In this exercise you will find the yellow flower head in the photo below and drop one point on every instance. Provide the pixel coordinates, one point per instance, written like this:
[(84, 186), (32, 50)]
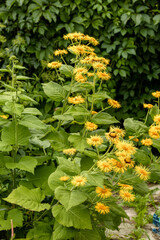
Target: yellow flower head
[(76, 100), (101, 208), (91, 40), (117, 130), (93, 112), (103, 192), (3, 116), (149, 106), (80, 49), (119, 166), (91, 126), (154, 132), (60, 52), (142, 172), (125, 146), (64, 178), (156, 94), (54, 65), (69, 151), (99, 66), (126, 196), (132, 138), (104, 165), (95, 140), (104, 76), (78, 181), (114, 103), (125, 186), (79, 77), (80, 70), (90, 74), (147, 142), (112, 137), (74, 36), (157, 119)]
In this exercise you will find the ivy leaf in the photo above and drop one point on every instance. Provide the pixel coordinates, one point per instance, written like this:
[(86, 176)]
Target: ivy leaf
[(17, 217), (68, 198), (26, 163), (28, 198), (77, 217)]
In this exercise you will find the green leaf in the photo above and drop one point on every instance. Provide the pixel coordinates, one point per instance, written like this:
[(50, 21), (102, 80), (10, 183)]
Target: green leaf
[(9, 136), (67, 70), (65, 117), (19, 67), (68, 166), (156, 144), (28, 198), (13, 108), (77, 217), (116, 209), (23, 78), (32, 122), (78, 141), (15, 215), (68, 198), (154, 111), (27, 98), (121, 71), (95, 179), (5, 147), (138, 19), (103, 118), (142, 157), (54, 179), (26, 163), (61, 232), (41, 231), (9, 3), (134, 127), (33, 111), (77, 111), (141, 188), (87, 235), (54, 91), (155, 172), (156, 19)]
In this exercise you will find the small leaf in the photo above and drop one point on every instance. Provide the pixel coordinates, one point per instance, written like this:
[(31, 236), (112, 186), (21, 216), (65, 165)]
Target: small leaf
[(23, 78), (28, 198)]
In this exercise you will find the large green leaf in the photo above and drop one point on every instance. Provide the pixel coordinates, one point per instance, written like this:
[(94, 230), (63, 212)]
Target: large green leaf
[(69, 198), (26, 163), (95, 179), (78, 141), (5, 147), (77, 111), (117, 210), (41, 231), (54, 179), (134, 127), (15, 215), (67, 70), (142, 157), (61, 232), (68, 166), (103, 118), (87, 235), (32, 111), (28, 198), (54, 91), (77, 217), (9, 135), (13, 108), (31, 121)]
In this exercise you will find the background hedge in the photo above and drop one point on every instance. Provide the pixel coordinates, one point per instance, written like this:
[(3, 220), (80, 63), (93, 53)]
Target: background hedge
[(128, 32)]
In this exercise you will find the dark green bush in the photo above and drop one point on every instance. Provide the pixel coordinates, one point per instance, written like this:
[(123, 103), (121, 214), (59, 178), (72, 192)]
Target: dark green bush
[(128, 32)]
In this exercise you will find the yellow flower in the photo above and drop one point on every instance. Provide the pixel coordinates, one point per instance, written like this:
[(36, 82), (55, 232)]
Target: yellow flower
[(91, 126), (74, 36), (60, 52), (101, 208), (149, 106), (114, 103), (156, 94), (112, 137), (128, 147), (80, 49), (69, 151), (64, 178), (4, 116), (93, 112), (91, 40), (103, 192), (95, 140), (126, 196), (154, 132), (104, 165), (125, 186), (54, 65), (80, 70), (142, 172), (99, 66), (119, 166), (147, 142), (90, 74), (157, 118), (80, 78), (78, 181), (117, 130), (104, 76), (133, 138), (76, 100)]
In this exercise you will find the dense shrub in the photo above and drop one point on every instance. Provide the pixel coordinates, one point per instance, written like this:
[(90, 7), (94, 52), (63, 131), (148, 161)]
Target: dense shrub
[(128, 32)]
